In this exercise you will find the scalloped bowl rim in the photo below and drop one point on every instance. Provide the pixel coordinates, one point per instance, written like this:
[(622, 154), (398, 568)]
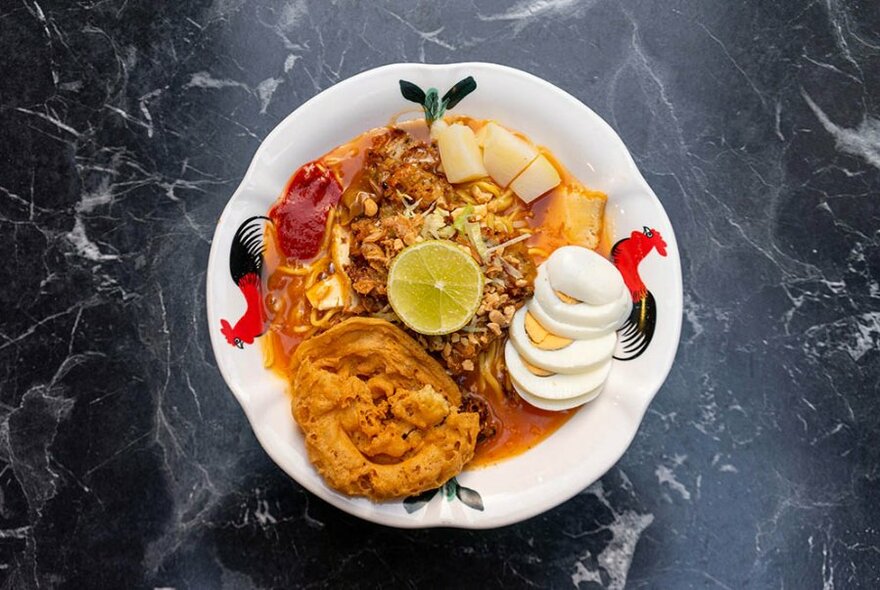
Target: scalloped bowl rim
[(569, 484)]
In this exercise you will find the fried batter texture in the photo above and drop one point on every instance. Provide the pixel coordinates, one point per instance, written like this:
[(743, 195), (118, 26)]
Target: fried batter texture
[(381, 417)]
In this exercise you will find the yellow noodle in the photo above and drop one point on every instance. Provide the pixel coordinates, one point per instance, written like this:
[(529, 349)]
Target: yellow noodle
[(484, 367), (480, 195), (502, 202), (331, 216), (488, 362), (334, 160), (317, 268), (493, 385), (278, 315), (298, 316), (293, 320), (488, 186), (292, 271), (320, 322), (269, 350), (534, 251), (465, 196), (481, 381)]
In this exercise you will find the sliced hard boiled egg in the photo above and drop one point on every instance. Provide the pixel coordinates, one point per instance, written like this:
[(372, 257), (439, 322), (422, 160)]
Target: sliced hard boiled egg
[(505, 155), (577, 357), (578, 320), (541, 337), (557, 386), (584, 275), (561, 328), (566, 299), (460, 154), (540, 176), (536, 370), (556, 405)]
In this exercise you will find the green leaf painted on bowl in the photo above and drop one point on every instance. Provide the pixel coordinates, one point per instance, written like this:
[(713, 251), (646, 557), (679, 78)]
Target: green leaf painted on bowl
[(433, 107), (450, 490), (414, 503), (412, 93), (431, 102), (461, 89), (470, 498)]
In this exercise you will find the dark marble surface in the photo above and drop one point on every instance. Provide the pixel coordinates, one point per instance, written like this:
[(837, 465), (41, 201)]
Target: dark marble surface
[(125, 126)]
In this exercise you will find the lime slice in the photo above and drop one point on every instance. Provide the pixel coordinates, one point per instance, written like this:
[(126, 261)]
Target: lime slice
[(435, 287)]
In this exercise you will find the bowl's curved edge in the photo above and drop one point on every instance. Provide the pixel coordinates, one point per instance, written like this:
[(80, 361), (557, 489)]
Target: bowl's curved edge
[(407, 521)]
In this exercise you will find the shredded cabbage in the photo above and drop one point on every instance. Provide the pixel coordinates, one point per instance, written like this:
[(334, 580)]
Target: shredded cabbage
[(434, 223), (472, 231), (462, 219)]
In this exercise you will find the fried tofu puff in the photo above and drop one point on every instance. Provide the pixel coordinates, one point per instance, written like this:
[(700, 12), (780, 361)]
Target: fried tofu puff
[(380, 416)]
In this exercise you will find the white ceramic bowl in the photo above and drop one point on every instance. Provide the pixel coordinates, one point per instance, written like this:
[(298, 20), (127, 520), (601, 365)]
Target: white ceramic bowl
[(595, 438)]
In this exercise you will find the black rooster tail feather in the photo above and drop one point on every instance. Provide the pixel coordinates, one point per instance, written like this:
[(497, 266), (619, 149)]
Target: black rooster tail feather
[(248, 247), (615, 250), (638, 330)]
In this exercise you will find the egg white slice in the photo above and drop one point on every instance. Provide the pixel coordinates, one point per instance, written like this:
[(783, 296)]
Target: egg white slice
[(595, 319), (559, 328), (555, 405), (577, 357), (584, 274), (556, 386)]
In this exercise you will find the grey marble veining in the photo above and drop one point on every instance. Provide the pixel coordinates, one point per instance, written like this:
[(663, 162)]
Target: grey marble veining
[(126, 125)]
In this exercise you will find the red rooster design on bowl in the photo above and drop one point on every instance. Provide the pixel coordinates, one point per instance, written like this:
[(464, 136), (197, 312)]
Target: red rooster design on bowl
[(246, 269), (638, 330)]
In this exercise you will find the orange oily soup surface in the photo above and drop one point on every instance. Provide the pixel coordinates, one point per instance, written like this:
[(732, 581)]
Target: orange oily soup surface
[(510, 426)]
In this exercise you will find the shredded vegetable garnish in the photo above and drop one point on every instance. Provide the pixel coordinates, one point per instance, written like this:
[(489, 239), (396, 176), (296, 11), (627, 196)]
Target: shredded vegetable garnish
[(473, 233), (434, 223), (409, 205), (462, 218), (511, 270), (510, 242)]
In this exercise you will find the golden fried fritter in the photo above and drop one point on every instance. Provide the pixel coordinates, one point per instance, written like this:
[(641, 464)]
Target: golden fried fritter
[(381, 417)]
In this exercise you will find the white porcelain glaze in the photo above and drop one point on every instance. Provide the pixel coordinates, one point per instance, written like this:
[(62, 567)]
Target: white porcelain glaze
[(595, 438)]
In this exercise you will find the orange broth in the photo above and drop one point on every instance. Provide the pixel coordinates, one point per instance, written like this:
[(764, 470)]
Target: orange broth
[(520, 426)]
